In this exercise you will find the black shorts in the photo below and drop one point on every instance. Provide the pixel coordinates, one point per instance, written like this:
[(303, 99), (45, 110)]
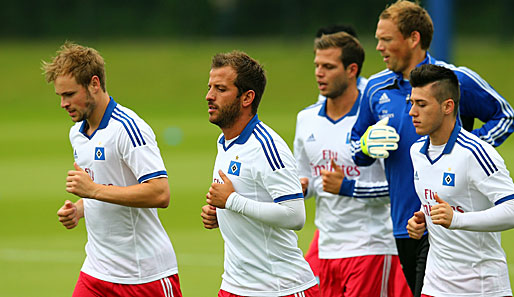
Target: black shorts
[(413, 257)]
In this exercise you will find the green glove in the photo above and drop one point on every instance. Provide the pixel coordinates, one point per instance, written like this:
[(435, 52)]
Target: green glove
[(379, 139)]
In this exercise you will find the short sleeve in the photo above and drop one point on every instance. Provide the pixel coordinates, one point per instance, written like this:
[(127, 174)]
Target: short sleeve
[(490, 175), (282, 182), (139, 151)]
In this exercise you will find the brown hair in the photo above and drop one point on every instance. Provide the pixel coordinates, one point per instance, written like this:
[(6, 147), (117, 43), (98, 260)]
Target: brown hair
[(351, 49), (81, 62), (250, 74)]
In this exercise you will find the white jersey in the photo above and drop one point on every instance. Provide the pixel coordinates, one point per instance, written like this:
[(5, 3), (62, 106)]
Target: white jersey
[(260, 260), (357, 222), (471, 176), (361, 85), (125, 245)]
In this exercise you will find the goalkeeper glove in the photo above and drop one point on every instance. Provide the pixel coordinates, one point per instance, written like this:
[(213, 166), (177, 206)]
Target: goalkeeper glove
[(379, 139)]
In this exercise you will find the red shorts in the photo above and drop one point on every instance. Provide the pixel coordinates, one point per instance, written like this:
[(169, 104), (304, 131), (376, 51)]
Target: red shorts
[(88, 286), (312, 255), (310, 292), (374, 275)]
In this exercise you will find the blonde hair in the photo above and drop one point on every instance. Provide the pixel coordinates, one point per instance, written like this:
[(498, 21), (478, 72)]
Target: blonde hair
[(410, 17), (78, 61)]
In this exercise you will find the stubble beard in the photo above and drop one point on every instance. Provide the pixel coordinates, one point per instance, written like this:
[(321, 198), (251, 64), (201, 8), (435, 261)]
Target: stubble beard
[(90, 106), (341, 88), (228, 115)]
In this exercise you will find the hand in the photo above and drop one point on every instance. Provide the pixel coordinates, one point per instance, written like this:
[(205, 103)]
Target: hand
[(305, 185), (332, 180), (68, 215), (209, 218), (441, 213), (80, 183), (379, 139), (416, 225), (218, 193)]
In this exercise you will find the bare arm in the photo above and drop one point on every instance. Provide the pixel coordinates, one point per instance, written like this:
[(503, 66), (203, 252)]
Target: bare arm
[(150, 194)]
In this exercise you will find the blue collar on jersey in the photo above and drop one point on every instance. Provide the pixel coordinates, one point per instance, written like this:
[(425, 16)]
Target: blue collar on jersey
[(447, 148), (105, 119), (355, 108), (245, 134)]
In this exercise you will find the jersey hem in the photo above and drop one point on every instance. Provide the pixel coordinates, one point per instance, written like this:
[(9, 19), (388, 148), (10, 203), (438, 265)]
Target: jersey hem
[(131, 281), (339, 255), (486, 294), (234, 290)]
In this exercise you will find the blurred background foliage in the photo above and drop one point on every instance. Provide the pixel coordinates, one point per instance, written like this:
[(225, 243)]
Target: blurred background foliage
[(225, 18)]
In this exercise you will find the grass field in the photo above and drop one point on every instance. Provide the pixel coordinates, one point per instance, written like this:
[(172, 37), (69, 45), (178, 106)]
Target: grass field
[(165, 82)]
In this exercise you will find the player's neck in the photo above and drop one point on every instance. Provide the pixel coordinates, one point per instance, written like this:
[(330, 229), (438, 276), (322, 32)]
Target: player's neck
[(237, 128), (442, 134), (418, 55), (341, 105), (96, 116)]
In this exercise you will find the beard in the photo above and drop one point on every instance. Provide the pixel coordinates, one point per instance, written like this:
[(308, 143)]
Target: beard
[(90, 105), (338, 90), (228, 114)]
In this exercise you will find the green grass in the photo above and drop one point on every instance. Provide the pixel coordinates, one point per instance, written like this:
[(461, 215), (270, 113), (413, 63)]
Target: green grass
[(165, 82)]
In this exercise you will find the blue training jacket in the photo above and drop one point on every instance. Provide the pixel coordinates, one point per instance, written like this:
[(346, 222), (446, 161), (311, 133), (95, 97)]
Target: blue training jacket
[(387, 95)]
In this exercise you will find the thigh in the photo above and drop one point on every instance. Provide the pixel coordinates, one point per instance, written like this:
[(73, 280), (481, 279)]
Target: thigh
[(397, 284), (333, 275), (407, 252), (421, 263), (355, 276), (371, 276), (312, 255)]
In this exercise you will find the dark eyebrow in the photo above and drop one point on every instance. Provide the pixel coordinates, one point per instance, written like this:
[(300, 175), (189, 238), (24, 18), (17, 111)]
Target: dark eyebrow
[(66, 93)]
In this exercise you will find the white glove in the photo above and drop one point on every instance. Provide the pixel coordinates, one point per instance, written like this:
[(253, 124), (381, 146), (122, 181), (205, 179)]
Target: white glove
[(379, 139)]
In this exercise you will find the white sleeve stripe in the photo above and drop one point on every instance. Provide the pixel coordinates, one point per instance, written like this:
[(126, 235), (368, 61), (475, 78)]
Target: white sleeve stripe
[(371, 195), (378, 188), (502, 127), (379, 86), (356, 147)]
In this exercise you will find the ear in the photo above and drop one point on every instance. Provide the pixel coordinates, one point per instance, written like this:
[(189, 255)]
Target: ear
[(94, 84), (448, 106), (352, 70), (415, 39), (247, 98)]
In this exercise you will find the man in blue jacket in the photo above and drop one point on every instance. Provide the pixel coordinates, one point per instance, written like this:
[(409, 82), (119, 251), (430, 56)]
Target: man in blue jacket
[(404, 32)]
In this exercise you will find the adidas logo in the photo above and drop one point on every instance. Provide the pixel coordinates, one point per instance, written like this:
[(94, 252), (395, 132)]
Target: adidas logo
[(384, 99), (75, 154), (311, 138), (416, 177)]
